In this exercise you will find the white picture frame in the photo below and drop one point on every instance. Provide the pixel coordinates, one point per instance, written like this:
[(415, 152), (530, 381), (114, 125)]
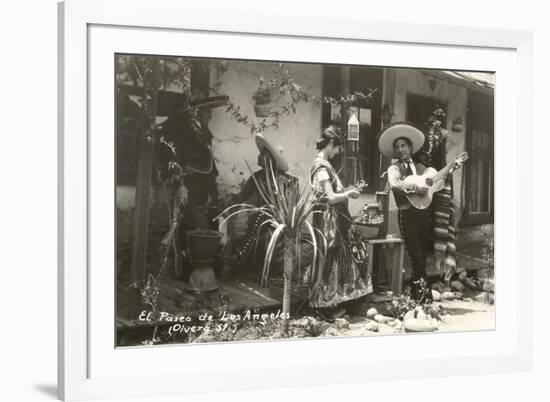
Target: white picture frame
[(80, 377)]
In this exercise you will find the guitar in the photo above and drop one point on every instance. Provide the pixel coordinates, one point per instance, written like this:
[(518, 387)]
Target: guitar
[(437, 180)]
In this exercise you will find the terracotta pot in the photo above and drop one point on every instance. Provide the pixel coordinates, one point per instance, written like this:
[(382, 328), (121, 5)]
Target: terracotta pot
[(203, 245), (457, 127), (203, 248), (262, 110), (369, 231)]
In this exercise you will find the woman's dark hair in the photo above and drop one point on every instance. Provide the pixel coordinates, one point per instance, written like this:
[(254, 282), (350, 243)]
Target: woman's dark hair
[(331, 133)]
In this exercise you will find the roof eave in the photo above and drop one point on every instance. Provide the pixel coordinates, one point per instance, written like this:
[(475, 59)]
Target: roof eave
[(460, 82)]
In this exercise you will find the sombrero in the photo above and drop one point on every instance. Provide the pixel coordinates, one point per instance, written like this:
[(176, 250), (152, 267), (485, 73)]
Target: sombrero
[(200, 100), (399, 130), (277, 153), (212, 101)]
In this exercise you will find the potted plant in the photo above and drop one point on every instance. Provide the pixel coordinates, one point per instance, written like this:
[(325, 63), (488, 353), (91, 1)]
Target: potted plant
[(262, 100), (370, 221), (458, 125), (287, 213)]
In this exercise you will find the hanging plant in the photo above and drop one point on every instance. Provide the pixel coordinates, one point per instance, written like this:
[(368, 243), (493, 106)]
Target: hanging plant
[(283, 85), (262, 100), (433, 153), (458, 125)]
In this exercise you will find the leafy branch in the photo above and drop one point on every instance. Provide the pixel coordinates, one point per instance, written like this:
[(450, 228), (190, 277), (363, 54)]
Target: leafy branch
[(283, 84)]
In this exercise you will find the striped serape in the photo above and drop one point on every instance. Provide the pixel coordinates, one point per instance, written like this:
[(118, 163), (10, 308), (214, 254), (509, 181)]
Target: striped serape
[(444, 229)]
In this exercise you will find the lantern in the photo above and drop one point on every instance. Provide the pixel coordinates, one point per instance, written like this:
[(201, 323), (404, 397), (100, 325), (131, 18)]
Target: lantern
[(353, 127)]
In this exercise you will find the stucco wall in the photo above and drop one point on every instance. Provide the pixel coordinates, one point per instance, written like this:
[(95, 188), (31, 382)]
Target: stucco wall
[(233, 142)]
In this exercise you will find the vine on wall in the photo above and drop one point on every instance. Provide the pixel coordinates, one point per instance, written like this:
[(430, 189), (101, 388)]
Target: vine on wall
[(285, 86)]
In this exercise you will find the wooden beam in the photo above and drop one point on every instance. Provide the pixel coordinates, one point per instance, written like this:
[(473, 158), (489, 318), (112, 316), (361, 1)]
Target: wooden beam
[(146, 145)]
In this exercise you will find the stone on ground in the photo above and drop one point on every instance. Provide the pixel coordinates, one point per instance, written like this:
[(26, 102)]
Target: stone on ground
[(371, 313)]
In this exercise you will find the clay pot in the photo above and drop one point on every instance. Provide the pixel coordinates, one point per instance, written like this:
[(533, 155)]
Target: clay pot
[(203, 245), (262, 110), (202, 248)]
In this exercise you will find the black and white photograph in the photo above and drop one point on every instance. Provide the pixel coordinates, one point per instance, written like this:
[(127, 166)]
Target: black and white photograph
[(270, 200), (274, 200)]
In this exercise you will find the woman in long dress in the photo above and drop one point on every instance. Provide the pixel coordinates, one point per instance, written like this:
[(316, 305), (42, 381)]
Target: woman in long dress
[(344, 274)]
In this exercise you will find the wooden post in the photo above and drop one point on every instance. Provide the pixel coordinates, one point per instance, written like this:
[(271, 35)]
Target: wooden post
[(146, 145), (397, 283), (388, 102)]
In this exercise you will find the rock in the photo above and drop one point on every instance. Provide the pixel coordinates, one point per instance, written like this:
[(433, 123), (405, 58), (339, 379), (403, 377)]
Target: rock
[(398, 325), (468, 299), (419, 313), (437, 286), (457, 286), (331, 331), (277, 335), (381, 319), (458, 295), (416, 313), (371, 312), (409, 315), (446, 289), (445, 318), (303, 322), (371, 326), (462, 275), (481, 297), (416, 325), (341, 323), (485, 297), (436, 296), (447, 296), (470, 283), (489, 285)]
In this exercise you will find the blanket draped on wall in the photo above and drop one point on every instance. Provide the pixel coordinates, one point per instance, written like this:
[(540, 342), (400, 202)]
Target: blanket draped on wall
[(434, 155), (444, 230)]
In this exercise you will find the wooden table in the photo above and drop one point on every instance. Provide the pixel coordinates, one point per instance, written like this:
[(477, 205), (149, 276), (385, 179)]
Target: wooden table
[(396, 260)]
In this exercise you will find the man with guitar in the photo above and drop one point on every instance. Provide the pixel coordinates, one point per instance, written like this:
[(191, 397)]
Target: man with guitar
[(413, 186)]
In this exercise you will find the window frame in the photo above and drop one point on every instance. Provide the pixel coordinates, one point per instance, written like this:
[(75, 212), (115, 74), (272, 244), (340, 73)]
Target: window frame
[(469, 217)]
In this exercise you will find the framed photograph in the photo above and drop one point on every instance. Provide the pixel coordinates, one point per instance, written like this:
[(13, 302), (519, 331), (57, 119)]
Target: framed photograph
[(295, 204)]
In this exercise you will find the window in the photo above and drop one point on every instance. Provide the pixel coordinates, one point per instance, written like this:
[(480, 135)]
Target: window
[(360, 160), (478, 171)]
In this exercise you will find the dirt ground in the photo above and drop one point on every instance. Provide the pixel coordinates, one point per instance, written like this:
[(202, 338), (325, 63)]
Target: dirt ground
[(462, 316)]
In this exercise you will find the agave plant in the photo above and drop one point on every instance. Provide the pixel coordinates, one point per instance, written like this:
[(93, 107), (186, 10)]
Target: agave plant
[(286, 211)]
